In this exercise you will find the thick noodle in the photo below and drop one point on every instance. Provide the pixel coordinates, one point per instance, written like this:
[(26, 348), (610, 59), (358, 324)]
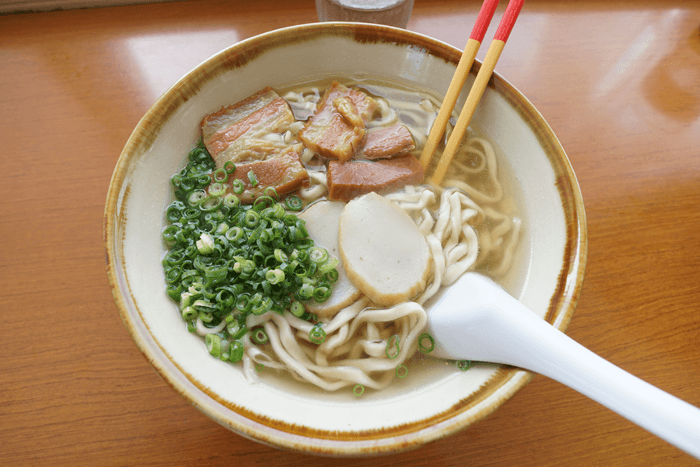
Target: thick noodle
[(465, 227)]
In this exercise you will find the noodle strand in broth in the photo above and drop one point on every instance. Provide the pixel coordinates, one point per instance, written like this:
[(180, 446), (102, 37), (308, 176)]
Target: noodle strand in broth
[(466, 224)]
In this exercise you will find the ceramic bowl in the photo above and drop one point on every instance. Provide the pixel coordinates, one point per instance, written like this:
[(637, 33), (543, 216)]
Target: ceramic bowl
[(436, 400)]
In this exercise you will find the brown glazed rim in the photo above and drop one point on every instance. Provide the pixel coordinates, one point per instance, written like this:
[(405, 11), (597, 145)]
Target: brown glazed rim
[(295, 437)]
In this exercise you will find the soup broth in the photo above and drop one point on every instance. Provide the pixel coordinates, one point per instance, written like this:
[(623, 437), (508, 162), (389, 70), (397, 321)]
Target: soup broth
[(482, 178), (492, 181)]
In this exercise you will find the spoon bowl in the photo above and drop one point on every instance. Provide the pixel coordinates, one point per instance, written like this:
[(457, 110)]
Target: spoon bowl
[(476, 319)]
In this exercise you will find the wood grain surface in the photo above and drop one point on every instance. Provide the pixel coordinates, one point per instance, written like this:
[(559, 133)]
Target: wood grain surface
[(619, 82)]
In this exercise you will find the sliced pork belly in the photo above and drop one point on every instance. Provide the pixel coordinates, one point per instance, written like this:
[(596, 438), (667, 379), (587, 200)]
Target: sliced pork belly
[(339, 125), (235, 133), (351, 179), (285, 173), (388, 142)]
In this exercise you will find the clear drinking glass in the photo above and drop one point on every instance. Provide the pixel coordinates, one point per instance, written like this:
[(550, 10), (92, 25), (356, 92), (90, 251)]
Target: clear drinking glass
[(389, 12)]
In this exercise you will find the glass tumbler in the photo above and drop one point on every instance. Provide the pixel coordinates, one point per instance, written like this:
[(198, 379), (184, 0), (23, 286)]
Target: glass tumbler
[(389, 12)]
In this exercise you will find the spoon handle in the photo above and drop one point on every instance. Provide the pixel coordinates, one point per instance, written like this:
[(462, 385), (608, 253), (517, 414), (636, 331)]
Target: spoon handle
[(480, 321), (545, 350)]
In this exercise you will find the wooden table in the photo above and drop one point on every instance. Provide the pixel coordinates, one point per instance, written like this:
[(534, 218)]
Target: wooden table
[(618, 82)]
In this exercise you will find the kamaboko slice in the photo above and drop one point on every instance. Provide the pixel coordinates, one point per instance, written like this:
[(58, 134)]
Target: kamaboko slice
[(384, 253), (322, 219)]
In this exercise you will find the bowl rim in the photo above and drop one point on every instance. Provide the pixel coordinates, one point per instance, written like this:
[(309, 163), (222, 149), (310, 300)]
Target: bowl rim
[(560, 310)]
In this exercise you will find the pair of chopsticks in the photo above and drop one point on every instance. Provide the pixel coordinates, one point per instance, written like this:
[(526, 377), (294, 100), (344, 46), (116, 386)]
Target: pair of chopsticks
[(478, 88)]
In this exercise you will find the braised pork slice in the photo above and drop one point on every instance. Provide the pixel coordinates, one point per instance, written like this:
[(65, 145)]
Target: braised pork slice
[(354, 178), (339, 125), (236, 133), (388, 142), (285, 173)]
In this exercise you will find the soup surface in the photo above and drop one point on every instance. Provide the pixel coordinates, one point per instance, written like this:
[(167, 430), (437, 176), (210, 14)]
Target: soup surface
[(335, 334)]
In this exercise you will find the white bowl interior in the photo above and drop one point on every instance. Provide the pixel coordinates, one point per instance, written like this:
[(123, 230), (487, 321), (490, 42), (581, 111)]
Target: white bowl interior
[(436, 398)]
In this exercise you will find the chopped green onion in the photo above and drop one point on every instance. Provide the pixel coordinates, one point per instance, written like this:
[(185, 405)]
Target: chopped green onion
[(252, 178), (221, 229), (189, 313), (205, 244), (174, 291), (243, 303), (206, 317), (262, 307), (210, 203), (241, 332), (328, 266), (321, 294), (306, 292), (217, 188), (263, 203), (280, 255), (233, 326), (259, 336), (174, 258), (358, 390), (297, 309), (238, 186), (251, 219), (464, 365), (234, 234), (229, 167), (332, 275), (274, 276), (236, 351), (227, 260), (203, 180), (191, 213), (174, 211), (421, 345), (231, 201), (213, 342), (271, 192), (317, 335), (392, 347), (203, 306), (196, 197), (219, 176), (319, 255), (401, 371), (294, 203)]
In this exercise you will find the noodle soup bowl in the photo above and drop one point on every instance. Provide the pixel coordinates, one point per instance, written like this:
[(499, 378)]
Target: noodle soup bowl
[(436, 399)]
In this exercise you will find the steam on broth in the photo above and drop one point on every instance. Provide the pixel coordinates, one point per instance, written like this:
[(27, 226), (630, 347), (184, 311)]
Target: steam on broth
[(342, 335)]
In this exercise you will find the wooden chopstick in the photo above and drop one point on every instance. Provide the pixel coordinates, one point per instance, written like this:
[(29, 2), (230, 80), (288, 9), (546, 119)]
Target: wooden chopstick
[(458, 79), (477, 90)]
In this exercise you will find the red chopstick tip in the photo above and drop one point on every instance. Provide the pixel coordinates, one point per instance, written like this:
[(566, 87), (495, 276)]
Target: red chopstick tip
[(508, 20), (483, 20)]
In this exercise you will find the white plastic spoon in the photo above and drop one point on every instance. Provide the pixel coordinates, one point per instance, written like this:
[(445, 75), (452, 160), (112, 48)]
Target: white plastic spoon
[(476, 319)]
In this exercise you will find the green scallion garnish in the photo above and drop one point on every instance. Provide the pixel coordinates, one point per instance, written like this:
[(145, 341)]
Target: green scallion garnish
[(252, 178), (227, 260), (421, 343), (213, 342), (464, 365), (317, 335), (401, 371), (294, 203), (238, 186), (259, 336), (392, 347)]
